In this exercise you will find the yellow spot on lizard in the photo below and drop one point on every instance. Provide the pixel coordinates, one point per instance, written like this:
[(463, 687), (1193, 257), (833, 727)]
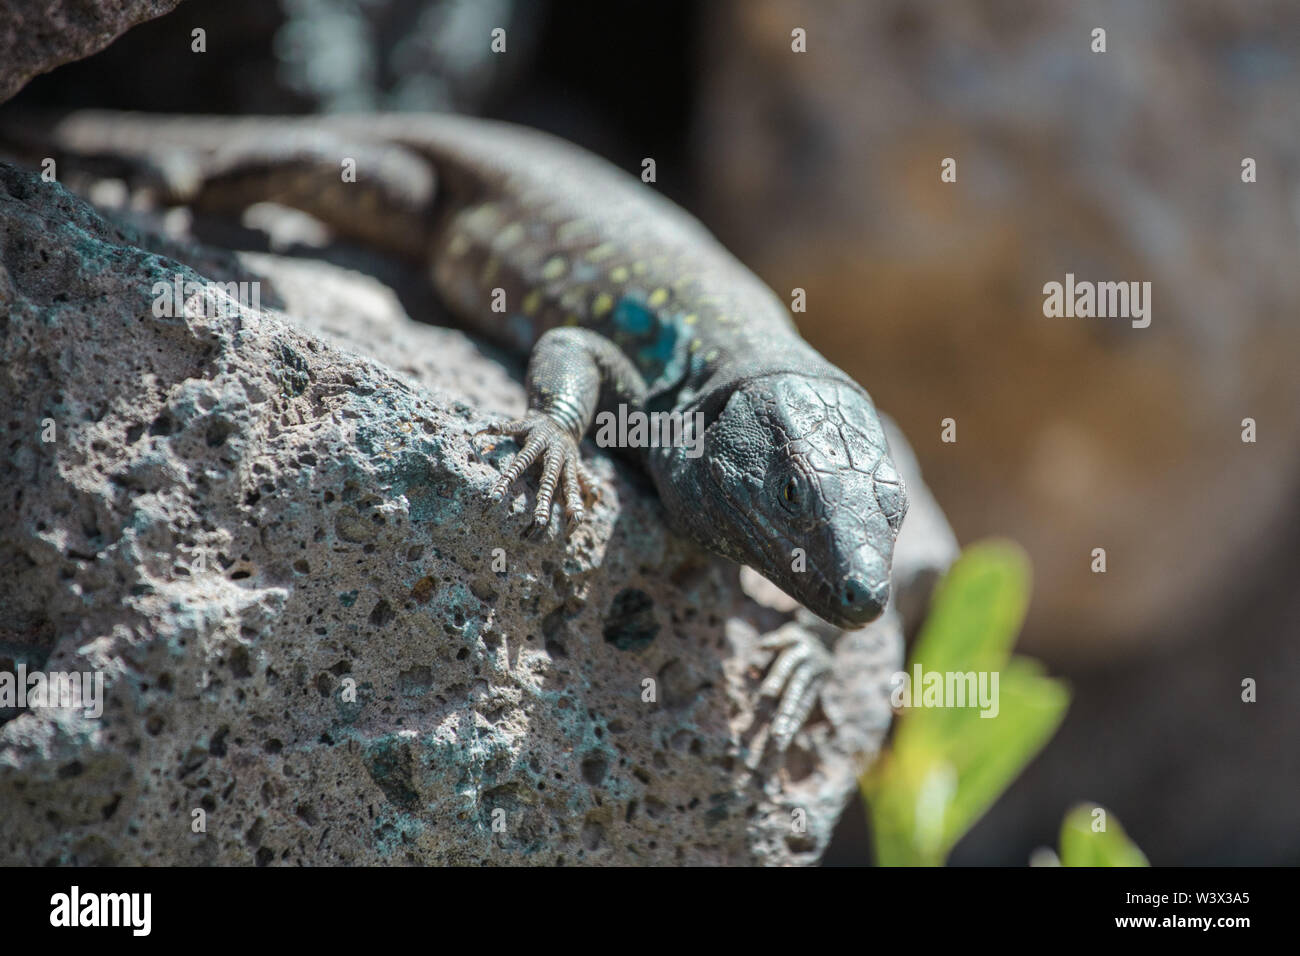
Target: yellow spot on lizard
[(573, 298), (572, 230), (554, 268)]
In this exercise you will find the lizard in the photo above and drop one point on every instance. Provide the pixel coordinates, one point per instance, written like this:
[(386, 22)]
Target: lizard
[(618, 296)]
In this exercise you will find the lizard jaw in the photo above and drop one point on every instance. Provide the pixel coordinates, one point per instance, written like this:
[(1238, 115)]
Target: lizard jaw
[(857, 602)]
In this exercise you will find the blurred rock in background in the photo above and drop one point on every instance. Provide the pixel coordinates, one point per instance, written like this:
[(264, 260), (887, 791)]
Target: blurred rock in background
[(822, 171)]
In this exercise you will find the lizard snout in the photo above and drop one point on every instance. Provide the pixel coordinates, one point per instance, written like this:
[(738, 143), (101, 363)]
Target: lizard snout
[(862, 590), (861, 599)]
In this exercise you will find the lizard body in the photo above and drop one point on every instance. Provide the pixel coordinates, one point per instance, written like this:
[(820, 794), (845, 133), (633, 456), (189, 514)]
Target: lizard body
[(618, 296)]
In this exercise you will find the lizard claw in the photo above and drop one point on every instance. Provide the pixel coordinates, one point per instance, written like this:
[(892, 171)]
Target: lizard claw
[(545, 440), (799, 669)]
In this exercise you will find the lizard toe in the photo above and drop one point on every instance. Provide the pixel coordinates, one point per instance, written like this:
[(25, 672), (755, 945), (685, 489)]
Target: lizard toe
[(800, 667), (513, 428), (573, 508), (544, 440)]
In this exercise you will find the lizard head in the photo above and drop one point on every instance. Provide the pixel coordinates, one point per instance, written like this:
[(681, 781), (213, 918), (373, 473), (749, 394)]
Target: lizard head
[(796, 481)]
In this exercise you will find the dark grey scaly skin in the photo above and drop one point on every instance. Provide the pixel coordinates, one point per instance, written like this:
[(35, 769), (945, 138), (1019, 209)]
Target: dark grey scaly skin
[(618, 296)]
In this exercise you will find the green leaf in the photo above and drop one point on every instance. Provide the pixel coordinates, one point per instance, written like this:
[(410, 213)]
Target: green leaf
[(1082, 845), (977, 609), (932, 787), (991, 752), (948, 765)]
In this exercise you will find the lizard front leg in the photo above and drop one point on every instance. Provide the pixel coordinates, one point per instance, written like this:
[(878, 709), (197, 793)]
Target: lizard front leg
[(799, 669), (571, 372)]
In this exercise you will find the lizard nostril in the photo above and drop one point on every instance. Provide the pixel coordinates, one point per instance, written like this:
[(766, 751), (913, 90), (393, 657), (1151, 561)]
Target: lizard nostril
[(861, 602)]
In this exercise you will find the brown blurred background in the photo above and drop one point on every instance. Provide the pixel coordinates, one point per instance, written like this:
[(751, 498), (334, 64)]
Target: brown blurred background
[(821, 171)]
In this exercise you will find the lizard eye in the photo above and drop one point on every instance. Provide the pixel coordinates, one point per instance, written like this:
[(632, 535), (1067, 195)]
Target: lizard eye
[(792, 494)]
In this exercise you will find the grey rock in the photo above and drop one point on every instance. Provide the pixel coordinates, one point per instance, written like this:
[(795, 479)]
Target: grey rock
[(243, 518), (37, 37)]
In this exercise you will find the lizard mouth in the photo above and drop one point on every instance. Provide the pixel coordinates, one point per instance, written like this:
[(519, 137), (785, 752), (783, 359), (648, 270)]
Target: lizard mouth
[(846, 621), (854, 604)]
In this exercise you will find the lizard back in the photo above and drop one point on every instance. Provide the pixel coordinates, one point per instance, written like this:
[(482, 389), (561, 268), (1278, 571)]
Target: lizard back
[(532, 233)]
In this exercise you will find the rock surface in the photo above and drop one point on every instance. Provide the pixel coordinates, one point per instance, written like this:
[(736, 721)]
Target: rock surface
[(37, 37), (264, 528), (304, 56)]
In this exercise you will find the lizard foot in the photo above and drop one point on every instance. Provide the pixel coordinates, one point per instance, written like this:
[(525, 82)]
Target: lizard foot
[(800, 667), (547, 441)]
